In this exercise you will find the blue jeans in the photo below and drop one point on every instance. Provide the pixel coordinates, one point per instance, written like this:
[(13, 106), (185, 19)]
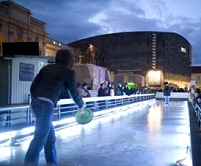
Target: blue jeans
[(44, 135), (167, 99)]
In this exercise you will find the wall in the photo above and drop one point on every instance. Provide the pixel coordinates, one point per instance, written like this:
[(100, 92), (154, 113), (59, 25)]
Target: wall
[(22, 74), (4, 84)]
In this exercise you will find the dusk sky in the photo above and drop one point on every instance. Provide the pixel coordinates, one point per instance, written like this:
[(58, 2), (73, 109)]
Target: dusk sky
[(71, 20)]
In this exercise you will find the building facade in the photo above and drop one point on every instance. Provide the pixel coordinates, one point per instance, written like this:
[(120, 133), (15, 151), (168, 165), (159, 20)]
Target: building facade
[(18, 25), (17, 72), (158, 56), (196, 76)]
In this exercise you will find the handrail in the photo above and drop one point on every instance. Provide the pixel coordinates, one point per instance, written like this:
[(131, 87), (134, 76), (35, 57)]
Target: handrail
[(14, 107), (21, 114), (66, 109), (197, 110)]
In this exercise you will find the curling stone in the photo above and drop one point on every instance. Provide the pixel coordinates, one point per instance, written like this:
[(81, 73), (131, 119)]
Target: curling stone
[(84, 117)]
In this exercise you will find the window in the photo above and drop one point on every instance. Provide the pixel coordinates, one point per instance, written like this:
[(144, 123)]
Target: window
[(183, 49)]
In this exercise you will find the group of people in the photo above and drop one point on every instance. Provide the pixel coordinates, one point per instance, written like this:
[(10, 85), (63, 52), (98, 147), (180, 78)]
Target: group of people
[(108, 89), (195, 95)]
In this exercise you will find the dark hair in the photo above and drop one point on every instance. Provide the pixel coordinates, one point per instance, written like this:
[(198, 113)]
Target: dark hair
[(84, 84)]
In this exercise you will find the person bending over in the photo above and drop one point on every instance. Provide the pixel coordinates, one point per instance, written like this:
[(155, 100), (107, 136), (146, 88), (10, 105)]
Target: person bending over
[(50, 83)]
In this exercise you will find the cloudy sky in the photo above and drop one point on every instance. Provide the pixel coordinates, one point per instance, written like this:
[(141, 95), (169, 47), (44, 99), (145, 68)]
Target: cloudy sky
[(71, 20)]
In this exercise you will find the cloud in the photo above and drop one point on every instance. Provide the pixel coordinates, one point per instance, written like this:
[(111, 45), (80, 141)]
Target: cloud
[(69, 20)]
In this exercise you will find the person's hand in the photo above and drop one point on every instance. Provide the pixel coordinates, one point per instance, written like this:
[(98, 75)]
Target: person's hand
[(84, 105), (81, 110)]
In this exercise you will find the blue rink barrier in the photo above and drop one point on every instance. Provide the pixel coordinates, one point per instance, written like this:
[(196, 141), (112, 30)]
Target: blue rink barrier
[(16, 121)]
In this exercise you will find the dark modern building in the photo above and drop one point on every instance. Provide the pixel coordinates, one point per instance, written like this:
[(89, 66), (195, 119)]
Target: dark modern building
[(158, 56)]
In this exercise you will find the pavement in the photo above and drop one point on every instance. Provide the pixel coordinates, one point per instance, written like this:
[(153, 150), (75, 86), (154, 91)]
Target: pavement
[(142, 135)]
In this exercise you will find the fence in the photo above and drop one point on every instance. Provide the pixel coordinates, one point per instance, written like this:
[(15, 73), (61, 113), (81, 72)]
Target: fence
[(17, 120), (21, 114), (197, 110)]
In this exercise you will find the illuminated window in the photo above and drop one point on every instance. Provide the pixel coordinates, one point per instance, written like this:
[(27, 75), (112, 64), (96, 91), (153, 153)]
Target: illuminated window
[(154, 77), (183, 49)]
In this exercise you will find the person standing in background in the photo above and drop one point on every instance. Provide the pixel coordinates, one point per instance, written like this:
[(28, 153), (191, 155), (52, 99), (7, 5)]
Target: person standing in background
[(84, 90), (119, 90), (107, 88), (166, 93), (101, 90), (126, 90)]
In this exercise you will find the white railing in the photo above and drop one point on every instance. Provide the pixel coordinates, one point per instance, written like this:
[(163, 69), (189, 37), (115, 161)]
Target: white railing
[(64, 114), (21, 114), (16, 121), (197, 110), (174, 95)]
